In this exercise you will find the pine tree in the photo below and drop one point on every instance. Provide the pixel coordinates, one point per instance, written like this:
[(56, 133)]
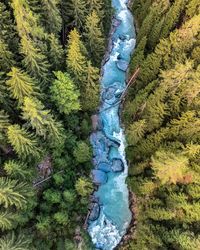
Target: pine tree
[(12, 242), (77, 10), (6, 57), (35, 62), (169, 167), (7, 28), (94, 36), (50, 16), (64, 93), (76, 61), (40, 119), (6, 221), (136, 131), (97, 6), (172, 17), (55, 53), (16, 169), (20, 84), (138, 57), (90, 88), (22, 141), (154, 35), (26, 20), (10, 193), (82, 152), (193, 8)]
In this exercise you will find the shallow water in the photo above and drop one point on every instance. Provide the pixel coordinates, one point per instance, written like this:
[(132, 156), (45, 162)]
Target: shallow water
[(108, 143)]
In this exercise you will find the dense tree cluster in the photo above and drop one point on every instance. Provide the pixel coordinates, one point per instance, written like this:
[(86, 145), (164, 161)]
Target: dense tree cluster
[(50, 53), (163, 125)]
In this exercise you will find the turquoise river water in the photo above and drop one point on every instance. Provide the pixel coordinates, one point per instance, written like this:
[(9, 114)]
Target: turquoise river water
[(111, 216)]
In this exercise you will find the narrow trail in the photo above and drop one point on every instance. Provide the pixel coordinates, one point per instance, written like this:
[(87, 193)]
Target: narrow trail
[(110, 215)]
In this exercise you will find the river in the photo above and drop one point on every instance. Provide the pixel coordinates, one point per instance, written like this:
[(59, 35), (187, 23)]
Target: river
[(110, 216)]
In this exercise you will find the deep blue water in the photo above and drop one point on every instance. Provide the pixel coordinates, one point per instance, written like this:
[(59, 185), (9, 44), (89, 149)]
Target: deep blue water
[(108, 142)]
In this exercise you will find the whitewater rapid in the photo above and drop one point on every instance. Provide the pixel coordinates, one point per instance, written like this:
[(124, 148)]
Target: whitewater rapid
[(110, 166)]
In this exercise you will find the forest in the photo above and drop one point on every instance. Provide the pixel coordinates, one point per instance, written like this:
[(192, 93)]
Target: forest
[(161, 116), (50, 61)]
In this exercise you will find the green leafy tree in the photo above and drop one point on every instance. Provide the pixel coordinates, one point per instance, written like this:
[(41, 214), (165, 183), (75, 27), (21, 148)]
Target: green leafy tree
[(65, 94)]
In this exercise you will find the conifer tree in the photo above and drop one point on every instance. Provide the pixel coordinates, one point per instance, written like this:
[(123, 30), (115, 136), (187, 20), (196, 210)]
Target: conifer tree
[(193, 8), (26, 20), (169, 167), (64, 93), (94, 36), (90, 87), (40, 119), (7, 28), (6, 221), (76, 61), (12, 242), (55, 53), (20, 84), (50, 16), (16, 169), (172, 17), (97, 6), (6, 57), (77, 10), (22, 141), (10, 193), (35, 62)]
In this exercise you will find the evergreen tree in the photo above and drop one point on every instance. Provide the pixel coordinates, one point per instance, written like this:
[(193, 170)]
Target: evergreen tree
[(12, 242), (35, 62), (22, 141), (77, 10), (20, 84), (76, 60), (90, 87), (65, 94), (50, 16), (40, 119), (6, 57), (94, 36), (6, 221), (10, 193), (172, 17), (55, 53)]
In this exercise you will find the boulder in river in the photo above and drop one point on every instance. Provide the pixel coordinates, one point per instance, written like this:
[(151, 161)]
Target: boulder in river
[(122, 65), (104, 166), (95, 211), (117, 165), (99, 177)]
